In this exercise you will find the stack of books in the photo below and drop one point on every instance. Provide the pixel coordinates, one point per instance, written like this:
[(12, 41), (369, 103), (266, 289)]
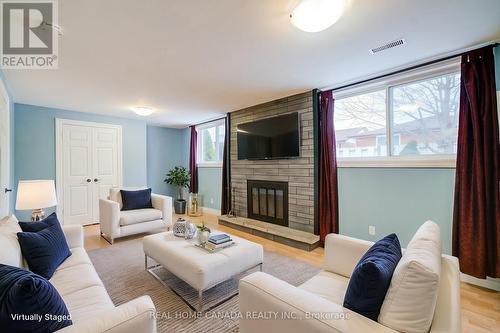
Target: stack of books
[(218, 241)]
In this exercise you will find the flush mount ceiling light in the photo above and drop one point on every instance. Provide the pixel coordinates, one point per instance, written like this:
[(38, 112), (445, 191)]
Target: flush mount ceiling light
[(317, 15), (142, 110)]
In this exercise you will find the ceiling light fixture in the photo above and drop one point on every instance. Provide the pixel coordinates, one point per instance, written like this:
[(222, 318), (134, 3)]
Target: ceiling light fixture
[(142, 110), (317, 15)]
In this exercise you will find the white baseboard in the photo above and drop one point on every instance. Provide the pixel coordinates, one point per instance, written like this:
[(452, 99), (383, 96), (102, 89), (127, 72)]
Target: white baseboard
[(211, 210), (489, 283)]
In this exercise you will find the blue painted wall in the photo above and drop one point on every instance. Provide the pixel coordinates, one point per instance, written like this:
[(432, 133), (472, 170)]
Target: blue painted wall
[(35, 143), (395, 200), (166, 148), (11, 125), (209, 186)]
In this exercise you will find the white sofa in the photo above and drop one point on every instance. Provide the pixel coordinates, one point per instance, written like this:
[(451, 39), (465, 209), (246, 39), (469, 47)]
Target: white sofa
[(116, 223), (321, 297), (80, 287)]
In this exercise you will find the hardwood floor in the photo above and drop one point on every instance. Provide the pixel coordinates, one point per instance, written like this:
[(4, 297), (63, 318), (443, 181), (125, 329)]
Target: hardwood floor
[(480, 306)]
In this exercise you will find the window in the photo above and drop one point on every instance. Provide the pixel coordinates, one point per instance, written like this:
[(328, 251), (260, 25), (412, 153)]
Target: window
[(418, 111), (210, 146)]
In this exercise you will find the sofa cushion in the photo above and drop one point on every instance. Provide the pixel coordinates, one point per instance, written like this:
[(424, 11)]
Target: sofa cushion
[(10, 253), (30, 296), (78, 257), (75, 278), (411, 299), (138, 199), (327, 285), (128, 217), (88, 303), (44, 250), (36, 226), (372, 276)]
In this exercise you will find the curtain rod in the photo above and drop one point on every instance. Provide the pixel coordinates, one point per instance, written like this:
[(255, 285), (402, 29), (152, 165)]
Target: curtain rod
[(426, 63), (208, 121)]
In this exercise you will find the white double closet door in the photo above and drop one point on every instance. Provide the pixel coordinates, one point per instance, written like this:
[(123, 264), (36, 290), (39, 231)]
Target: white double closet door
[(89, 163)]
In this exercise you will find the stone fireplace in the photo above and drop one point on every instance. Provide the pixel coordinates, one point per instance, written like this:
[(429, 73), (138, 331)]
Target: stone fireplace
[(297, 173), (275, 198), (268, 201)]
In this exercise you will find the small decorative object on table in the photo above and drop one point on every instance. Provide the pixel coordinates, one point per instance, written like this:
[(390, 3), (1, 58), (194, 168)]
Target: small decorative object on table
[(203, 233), (190, 230), (216, 242), (179, 228)]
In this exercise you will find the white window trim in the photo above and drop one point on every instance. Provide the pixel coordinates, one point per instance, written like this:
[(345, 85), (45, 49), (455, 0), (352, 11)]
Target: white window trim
[(209, 165), (215, 164), (394, 161)]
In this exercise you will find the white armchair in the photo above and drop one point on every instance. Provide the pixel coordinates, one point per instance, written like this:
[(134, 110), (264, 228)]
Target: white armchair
[(116, 223)]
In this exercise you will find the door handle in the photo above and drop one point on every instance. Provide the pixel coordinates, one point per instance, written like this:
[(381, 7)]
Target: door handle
[(88, 180), (8, 190), (96, 180)]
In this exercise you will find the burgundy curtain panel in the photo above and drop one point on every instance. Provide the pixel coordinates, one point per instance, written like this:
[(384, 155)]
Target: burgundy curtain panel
[(328, 192), (193, 168), (476, 216), (225, 205)]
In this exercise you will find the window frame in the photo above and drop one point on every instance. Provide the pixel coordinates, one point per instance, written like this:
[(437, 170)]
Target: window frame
[(388, 83), (199, 144)]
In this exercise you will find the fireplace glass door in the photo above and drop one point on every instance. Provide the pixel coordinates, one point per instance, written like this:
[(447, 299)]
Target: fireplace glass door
[(268, 201)]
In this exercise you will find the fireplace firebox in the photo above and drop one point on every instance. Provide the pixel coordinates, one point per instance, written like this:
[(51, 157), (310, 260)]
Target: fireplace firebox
[(268, 201)]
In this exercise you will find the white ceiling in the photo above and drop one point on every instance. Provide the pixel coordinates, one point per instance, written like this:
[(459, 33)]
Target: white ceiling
[(196, 60)]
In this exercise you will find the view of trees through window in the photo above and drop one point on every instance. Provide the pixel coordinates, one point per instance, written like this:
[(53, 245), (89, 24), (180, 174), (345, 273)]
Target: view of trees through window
[(211, 143), (423, 119)]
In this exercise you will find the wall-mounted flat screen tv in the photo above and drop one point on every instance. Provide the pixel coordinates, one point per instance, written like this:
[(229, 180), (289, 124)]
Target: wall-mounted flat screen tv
[(269, 138)]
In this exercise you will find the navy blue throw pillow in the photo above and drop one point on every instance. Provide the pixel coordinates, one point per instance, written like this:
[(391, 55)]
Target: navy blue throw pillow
[(372, 276), (36, 226), (136, 199), (29, 303), (44, 250)]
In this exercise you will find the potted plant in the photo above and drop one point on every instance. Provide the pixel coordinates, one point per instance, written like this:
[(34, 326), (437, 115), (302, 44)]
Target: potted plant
[(203, 233), (179, 177)]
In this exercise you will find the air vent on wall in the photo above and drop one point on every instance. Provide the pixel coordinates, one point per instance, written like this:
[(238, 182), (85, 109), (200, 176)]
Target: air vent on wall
[(389, 45)]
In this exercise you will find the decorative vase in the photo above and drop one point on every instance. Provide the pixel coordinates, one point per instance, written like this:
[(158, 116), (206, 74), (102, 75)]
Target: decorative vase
[(203, 236), (190, 230), (194, 205), (179, 227), (180, 206)]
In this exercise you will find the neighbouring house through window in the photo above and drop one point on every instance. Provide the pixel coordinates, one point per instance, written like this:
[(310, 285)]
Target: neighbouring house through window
[(418, 110)]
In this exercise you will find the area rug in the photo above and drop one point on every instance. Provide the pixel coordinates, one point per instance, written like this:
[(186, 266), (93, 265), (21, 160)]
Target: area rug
[(121, 268)]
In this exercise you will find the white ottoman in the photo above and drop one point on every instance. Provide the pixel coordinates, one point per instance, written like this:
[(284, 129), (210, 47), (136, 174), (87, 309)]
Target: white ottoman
[(200, 269)]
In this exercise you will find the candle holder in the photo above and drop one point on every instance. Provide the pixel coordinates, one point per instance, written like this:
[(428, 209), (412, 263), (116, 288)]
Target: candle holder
[(194, 204)]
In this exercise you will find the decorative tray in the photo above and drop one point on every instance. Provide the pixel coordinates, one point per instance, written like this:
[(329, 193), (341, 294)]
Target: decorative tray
[(202, 246)]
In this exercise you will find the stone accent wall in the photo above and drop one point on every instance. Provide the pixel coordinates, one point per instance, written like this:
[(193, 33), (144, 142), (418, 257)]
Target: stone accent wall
[(298, 172)]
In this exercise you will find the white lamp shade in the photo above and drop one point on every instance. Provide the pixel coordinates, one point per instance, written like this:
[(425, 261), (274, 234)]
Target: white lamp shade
[(35, 194)]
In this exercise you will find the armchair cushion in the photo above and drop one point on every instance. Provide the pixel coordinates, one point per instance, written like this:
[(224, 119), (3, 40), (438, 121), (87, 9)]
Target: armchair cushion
[(116, 196), (128, 217), (139, 199), (372, 276)]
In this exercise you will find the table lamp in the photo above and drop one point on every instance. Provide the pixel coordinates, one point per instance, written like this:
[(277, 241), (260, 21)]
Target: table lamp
[(36, 195)]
